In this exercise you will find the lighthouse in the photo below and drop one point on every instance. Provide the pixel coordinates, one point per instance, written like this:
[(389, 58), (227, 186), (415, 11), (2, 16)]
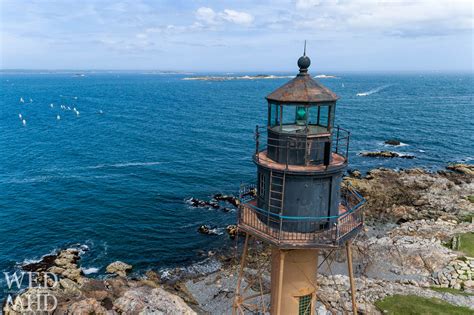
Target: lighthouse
[(299, 204)]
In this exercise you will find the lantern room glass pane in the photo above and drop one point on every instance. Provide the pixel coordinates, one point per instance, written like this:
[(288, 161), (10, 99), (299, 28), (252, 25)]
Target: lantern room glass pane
[(323, 116), (333, 114), (274, 115), (318, 119)]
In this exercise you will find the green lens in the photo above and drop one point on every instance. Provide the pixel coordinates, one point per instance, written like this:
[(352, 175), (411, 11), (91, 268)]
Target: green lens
[(301, 113)]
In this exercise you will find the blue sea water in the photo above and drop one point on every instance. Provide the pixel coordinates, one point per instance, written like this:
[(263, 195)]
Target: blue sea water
[(116, 177)]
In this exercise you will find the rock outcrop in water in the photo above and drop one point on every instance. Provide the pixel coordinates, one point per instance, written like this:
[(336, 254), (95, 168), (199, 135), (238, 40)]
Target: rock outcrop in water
[(386, 154), (392, 142), (462, 168), (119, 268)]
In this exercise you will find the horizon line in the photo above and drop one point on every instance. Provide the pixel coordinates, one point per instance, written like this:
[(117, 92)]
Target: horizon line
[(234, 71)]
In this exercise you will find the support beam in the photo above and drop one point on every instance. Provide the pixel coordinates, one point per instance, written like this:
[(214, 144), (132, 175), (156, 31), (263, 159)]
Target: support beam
[(280, 281), (243, 260), (293, 277), (351, 276)]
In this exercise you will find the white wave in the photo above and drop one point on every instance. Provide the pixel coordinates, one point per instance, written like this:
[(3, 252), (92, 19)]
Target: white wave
[(90, 270), (216, 231), (204, 267), (402, 144), (466, 159), (325, 76), (28, 261), (41, 179), (125, 164), (34, 179), (378, 89), (82, 248)]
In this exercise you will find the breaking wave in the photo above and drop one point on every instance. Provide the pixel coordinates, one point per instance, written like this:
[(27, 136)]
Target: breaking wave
[(90, 270), (380, 88)]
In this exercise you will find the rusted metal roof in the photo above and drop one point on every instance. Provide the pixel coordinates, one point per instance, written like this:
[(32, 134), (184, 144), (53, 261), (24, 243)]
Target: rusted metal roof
[(302, 89)]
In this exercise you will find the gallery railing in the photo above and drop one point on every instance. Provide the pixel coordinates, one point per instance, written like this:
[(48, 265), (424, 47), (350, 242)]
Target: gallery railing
[(297, 231), (310, 144)]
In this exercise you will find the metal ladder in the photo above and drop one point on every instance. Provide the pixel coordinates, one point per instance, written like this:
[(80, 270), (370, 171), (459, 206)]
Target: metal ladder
[(277, 192)]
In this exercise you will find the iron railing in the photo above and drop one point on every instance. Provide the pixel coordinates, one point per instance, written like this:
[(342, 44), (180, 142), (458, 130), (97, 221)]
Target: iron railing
[(339, 139), (298, 231)]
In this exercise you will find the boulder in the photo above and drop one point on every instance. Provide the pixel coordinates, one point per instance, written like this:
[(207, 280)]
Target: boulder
[(153, 276), (87, 306), (232, 230), (119, 268), (148, 300), (355, 173), (70, 287), (73, 274), (467, 169), (56, 270)]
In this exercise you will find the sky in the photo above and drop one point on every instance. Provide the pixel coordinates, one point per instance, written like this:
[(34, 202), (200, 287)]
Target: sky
[(244, 35)]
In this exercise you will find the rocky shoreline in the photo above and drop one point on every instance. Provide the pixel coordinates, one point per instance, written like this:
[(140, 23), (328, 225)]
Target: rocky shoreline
[(412, 218)]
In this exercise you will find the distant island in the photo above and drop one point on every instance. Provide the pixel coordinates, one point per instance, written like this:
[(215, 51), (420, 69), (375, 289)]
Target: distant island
[(244, 77), (251, 77)]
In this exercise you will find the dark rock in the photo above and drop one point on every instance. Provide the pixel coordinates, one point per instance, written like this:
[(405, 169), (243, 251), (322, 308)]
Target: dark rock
[(207, 229), (233, 231), (392, 142), (230, 199), (386, 154), (43, 265), (107, 303), (354, 173)]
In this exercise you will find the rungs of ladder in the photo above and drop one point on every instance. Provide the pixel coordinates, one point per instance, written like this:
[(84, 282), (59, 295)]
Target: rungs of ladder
[(275, 184), (276, 192)]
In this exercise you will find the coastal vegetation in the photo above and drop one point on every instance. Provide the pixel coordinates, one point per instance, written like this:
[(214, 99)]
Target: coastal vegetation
[(415, 305), (467, 243), (451, 291)]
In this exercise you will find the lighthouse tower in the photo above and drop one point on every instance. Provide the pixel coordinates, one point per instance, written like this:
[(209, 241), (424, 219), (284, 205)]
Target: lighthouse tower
[(299, 204)]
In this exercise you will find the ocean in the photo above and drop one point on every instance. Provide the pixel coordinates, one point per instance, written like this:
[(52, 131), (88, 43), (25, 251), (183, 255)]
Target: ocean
[(116, 173)]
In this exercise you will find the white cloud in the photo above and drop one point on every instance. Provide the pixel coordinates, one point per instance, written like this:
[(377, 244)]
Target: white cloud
[(306, 4), (236, 17), (401, 17), (210, 17), (206, 15)]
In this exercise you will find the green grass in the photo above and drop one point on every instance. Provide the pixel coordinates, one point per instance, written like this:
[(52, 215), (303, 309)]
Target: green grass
[(470, 198), (466, 218), (467, 244), (451, 290), (415, 305)]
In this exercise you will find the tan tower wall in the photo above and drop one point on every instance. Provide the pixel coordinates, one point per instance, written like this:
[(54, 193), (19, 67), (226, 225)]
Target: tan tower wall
[(293, 275)]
